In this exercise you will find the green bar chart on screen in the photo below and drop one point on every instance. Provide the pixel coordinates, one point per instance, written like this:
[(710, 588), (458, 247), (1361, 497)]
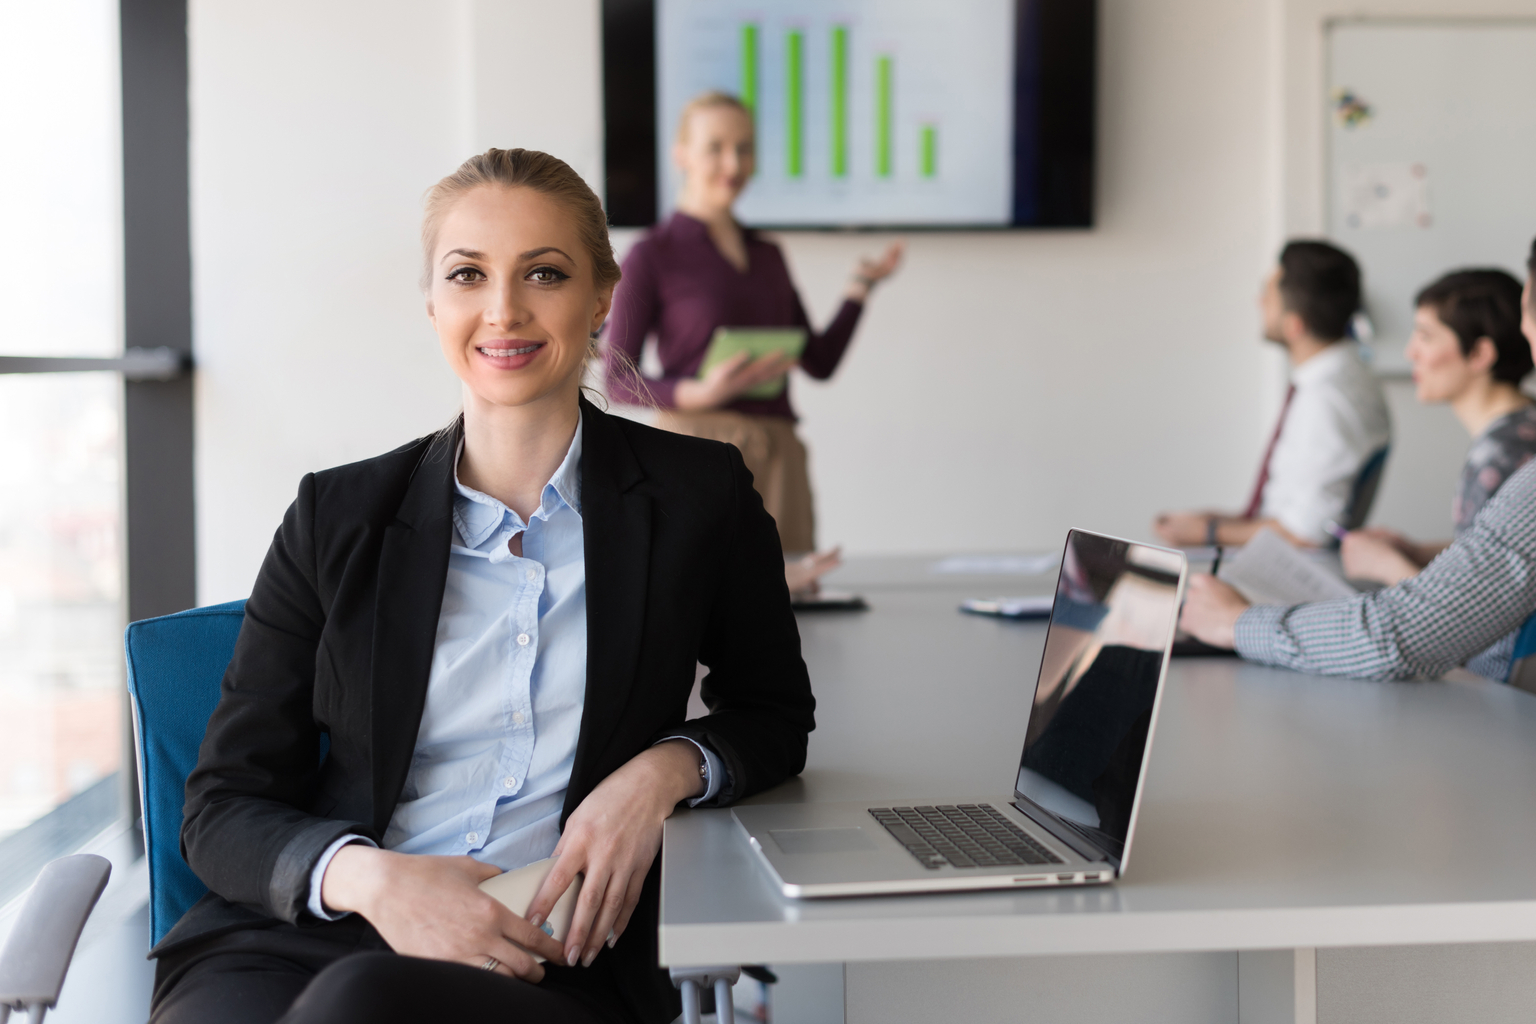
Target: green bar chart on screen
[(884, 112), (890, 111), (838, 113), (749, 67), (794, 103)]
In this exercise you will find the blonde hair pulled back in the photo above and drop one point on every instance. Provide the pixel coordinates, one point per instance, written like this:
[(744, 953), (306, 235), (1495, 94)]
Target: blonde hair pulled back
[(711, 100), (530, 169)]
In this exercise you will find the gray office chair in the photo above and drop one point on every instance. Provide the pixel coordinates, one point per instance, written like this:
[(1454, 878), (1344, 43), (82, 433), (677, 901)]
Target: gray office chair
[(691, 979), (37, 954)]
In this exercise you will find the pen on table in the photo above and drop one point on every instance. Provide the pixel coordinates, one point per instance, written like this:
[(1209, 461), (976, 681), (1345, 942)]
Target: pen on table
[(1334, 530), (1216, 562)]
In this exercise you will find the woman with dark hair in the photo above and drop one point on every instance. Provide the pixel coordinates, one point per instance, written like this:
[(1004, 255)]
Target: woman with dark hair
[(1467, 351), (1466, 608), (475, 653)]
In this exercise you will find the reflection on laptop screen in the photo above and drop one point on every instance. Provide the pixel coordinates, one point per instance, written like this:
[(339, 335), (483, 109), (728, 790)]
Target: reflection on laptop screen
[(1116, 603)]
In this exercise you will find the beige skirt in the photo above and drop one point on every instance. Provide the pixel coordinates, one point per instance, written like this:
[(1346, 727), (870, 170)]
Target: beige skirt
[(774, 455)]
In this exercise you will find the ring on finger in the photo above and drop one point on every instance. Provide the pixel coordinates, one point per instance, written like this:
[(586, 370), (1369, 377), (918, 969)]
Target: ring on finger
[(490, 965)]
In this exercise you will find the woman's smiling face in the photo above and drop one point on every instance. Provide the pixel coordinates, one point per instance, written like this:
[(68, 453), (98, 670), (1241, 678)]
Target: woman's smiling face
[(513, 297)]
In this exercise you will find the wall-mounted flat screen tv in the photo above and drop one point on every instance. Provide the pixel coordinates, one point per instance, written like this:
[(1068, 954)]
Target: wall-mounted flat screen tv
[(871, 114)]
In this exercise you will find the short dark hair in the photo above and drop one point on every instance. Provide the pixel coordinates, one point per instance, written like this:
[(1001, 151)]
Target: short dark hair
[(1481, 303), (1321, 284)]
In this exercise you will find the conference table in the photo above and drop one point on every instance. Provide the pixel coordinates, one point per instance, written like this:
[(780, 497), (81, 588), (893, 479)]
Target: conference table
[(1308, 849)]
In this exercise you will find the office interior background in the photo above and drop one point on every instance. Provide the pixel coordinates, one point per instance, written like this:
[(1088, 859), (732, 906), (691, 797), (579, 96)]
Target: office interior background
[(1005, 386)]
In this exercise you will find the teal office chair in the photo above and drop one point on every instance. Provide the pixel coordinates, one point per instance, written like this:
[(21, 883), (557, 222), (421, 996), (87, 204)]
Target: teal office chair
[(1522, 663), (1363, 494), (175, 665)]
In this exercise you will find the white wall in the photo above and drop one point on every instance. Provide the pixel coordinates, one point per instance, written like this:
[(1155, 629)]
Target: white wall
[(1003, 387)]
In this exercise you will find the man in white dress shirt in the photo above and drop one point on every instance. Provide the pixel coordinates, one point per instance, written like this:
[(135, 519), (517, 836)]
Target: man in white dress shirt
[(1333, 422)]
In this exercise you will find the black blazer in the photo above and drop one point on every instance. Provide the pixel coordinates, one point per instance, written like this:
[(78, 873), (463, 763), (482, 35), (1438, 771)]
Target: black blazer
[(683, 565)]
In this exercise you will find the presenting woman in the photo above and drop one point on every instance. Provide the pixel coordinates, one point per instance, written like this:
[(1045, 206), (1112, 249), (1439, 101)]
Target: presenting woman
[(475, 652), (700, 271), (1467, 351)]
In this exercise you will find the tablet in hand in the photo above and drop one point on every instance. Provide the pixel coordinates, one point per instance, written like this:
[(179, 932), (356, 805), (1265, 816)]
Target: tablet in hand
[(516, 889)]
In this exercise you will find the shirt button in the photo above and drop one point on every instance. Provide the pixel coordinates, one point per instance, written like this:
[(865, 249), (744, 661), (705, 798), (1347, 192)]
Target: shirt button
[(509, 782), (472, 838), (533, 574), (517, 718), (522, 639)]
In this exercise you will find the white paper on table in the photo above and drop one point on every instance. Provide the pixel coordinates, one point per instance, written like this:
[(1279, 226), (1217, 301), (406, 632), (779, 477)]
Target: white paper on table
[(1268, 570), (998, 565), (1031, 607)]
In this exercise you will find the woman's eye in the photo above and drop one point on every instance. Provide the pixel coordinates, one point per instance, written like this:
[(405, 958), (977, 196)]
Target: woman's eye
[(547, 275), (465, 275)]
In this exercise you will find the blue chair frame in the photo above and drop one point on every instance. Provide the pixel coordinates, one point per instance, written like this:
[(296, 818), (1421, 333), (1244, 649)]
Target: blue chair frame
[(1363, 494), (176, 664), (1522, 661)]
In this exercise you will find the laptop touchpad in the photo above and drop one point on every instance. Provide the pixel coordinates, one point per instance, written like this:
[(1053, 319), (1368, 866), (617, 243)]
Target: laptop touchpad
[(822, 840)]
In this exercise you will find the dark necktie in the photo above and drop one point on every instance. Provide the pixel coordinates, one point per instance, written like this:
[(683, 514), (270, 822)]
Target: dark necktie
[(1257, 501)]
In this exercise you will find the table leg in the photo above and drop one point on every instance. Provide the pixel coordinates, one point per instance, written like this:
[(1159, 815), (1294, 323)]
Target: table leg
[(1277, 986)]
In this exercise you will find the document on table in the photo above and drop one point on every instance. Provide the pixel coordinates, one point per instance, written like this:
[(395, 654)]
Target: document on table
[(1269, 570), (998, 565), (1035, 606)]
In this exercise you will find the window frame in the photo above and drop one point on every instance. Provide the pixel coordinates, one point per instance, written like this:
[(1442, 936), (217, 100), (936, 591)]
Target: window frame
[(159, 526)]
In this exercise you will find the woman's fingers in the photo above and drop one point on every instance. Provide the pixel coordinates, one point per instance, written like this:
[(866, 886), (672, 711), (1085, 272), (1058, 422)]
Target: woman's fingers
[(631, 901), (512, 962), (613, 904), (529, 936), (559, 879), (588, 904)]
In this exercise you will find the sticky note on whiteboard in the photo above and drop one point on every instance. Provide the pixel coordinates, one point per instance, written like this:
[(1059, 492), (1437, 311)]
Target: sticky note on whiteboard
[(1385, 195)]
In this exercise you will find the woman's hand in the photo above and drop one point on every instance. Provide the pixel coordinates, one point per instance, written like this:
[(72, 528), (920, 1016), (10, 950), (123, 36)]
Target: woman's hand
[(1211, 611), (803, 575), (871, 272), (725, 381), (611, 839), (1182, 529), (1377, 555), (432, 907)]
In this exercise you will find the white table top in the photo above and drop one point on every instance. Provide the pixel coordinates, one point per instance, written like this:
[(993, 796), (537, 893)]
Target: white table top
[(1281, 810)]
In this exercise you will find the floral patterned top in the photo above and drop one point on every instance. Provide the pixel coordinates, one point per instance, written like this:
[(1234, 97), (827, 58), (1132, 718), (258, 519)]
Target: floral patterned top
[(1507, 444)]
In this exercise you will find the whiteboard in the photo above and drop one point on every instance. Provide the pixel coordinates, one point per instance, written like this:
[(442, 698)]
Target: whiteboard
[(1440, 172)]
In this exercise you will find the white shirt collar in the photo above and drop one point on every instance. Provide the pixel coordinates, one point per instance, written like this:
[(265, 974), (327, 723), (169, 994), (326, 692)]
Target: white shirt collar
[(1330, 361)]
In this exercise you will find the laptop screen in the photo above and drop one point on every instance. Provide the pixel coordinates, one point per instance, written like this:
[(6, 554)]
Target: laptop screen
[(1111, 627)]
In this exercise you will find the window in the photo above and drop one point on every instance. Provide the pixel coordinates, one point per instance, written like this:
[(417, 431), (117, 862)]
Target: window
[(95, 441)]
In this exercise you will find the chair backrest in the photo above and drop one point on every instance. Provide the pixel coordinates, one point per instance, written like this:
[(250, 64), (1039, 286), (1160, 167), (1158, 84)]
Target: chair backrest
[(175, 665), (1522, 661), (1363, 495)]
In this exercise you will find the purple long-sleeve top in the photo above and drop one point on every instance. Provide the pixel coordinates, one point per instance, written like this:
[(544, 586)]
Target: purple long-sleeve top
[(679, 286)]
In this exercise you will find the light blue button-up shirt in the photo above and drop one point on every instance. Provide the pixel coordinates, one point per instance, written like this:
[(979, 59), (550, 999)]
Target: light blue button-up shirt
[(506, 689)]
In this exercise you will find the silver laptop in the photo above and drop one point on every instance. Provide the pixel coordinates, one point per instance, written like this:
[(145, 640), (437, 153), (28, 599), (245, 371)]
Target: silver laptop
[(1086, 744)]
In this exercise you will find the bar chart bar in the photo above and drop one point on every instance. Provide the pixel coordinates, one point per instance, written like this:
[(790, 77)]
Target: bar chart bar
[(839, 109), (928, 155), (794, 103), (749, 67), (883, 115)]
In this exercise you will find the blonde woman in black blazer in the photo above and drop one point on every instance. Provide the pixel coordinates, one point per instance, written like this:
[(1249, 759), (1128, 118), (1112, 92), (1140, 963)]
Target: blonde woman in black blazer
[(682, 565)]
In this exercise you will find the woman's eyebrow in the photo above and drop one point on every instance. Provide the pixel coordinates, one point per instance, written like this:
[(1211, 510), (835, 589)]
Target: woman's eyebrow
[(533, 254), (469, 254)]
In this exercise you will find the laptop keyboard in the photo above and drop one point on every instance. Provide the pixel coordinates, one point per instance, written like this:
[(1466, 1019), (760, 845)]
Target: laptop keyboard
[(963, 835)]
